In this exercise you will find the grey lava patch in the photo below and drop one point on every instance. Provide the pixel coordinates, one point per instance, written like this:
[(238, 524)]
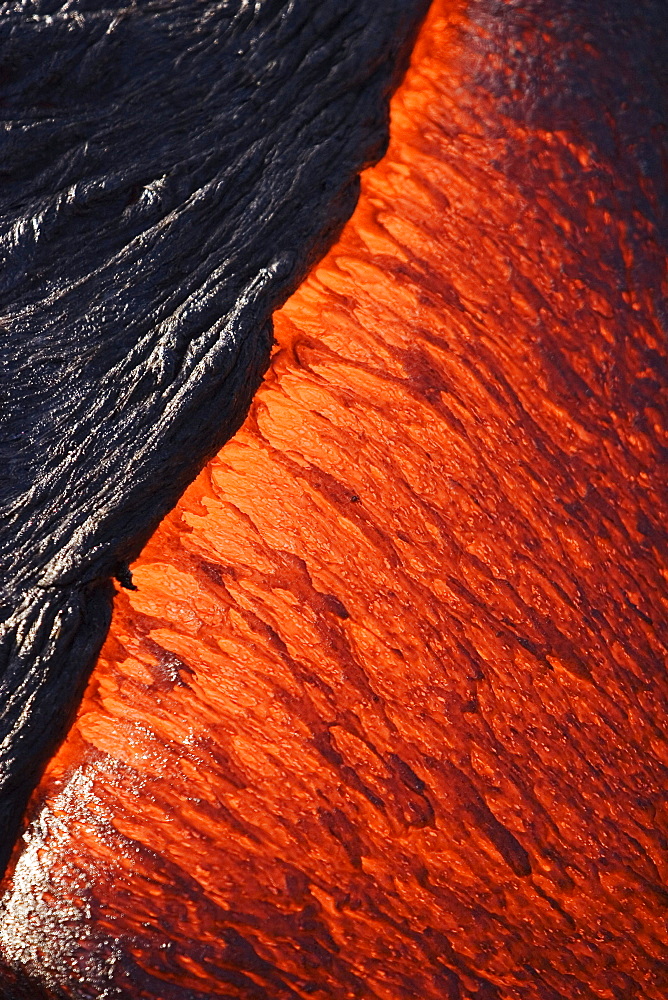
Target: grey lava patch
[(170, 173)]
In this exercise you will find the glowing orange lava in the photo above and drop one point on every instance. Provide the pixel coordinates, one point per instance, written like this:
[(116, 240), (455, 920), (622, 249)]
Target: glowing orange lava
[(384, 716)]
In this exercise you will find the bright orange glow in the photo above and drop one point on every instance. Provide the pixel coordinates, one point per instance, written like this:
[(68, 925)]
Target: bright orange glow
[(383, 718)]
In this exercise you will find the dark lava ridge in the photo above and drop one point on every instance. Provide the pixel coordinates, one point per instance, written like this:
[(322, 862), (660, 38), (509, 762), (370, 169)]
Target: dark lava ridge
[(170, 173)]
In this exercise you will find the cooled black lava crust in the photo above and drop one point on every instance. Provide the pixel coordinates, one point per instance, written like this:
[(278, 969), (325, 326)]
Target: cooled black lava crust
[(170, 172)]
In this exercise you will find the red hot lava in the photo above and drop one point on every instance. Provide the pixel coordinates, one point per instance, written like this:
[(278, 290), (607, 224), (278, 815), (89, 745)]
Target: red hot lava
[(384, 718)]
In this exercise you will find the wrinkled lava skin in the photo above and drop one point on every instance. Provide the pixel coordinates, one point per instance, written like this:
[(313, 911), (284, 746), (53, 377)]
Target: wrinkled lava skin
[(170, 173), (385, 717)]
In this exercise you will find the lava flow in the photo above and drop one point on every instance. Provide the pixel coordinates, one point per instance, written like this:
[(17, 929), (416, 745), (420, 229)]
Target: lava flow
[(384, 718)]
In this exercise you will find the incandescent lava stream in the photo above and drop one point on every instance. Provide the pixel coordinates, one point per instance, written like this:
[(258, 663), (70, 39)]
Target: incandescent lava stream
[(385, 716)]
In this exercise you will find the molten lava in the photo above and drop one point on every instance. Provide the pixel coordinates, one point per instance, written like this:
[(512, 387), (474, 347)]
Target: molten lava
[(384, 716)]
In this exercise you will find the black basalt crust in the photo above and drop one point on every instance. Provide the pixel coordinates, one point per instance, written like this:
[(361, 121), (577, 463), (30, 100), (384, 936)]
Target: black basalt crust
[(170, 172)]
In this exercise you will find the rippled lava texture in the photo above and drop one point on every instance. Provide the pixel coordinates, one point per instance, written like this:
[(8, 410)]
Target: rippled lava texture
[(170, 173), (385, 717)]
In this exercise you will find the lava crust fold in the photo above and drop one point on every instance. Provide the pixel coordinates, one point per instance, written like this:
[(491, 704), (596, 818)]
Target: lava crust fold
[(170, 173)]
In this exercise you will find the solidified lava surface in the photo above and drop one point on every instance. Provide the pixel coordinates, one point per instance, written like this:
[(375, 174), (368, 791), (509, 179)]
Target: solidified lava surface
[(170, 173), (385, 716)]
